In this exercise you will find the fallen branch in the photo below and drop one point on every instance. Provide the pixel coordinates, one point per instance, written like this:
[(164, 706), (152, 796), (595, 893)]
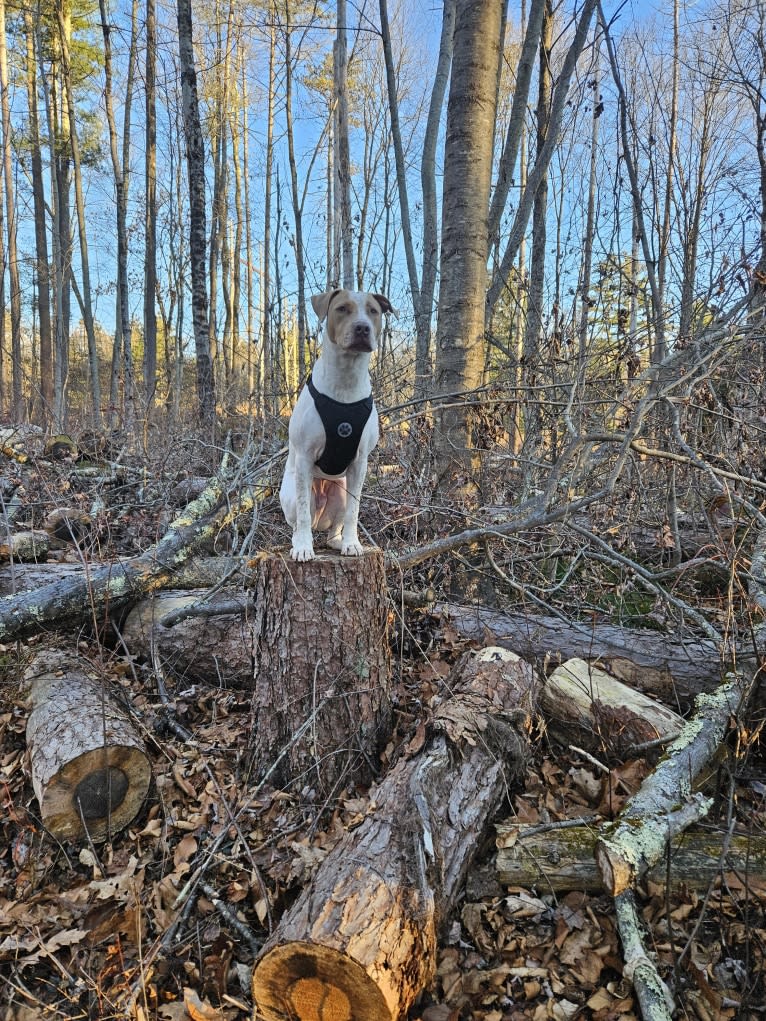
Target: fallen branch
[(92, 593), (664, 804)]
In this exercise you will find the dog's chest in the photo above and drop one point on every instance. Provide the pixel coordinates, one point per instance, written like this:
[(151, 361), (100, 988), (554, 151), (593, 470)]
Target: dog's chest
[(343, 425)]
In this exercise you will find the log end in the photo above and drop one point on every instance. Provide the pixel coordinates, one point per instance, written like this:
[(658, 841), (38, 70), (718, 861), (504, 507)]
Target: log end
[(310, 982), (100, 791)]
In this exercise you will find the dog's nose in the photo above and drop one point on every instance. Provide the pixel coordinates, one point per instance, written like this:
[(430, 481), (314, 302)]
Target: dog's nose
[(361, 337), (362, 331)]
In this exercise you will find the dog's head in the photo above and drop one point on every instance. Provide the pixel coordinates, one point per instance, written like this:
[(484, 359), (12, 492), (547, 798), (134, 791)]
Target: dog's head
[(354, 318)]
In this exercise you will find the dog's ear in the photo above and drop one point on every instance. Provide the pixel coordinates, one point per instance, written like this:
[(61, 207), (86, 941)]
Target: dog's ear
[(386, 305), (321, 303)]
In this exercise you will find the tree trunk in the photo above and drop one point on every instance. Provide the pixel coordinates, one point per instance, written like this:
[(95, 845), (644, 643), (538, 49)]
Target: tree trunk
[(150, 182), (90, 771), (557, 859), (361, 941), (342, 155), (467, 157), (300, 266), (87, 303), (10, 220), (41, 236), (321, 661), (195, 154)]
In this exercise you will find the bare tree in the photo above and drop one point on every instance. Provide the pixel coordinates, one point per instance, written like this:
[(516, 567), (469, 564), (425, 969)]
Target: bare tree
[(344, 236), (195, 156), (150, 184)]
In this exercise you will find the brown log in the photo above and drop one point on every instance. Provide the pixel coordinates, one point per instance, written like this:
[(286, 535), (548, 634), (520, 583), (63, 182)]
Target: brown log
[(321, 702), (360, 942), (586, 705), (90, 771), (673, 668), (214, 649), (553, 858)]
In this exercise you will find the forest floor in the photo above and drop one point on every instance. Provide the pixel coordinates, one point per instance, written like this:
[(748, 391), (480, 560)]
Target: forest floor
[(83, 930)]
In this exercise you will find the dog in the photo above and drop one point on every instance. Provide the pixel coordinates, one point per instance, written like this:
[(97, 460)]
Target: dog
[(334, 426)]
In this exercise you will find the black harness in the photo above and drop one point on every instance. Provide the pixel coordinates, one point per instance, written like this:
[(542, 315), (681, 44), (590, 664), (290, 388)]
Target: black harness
[(343, 427)]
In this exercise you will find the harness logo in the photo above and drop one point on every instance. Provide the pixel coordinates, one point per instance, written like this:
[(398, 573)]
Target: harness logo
[(345, 429)]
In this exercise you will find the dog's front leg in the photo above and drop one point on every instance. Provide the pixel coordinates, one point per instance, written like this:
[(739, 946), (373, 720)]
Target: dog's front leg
[(302, 545), (355, 476)]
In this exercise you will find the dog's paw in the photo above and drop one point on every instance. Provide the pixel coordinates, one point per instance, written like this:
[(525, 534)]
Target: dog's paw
[(302, 553), (351, 549)]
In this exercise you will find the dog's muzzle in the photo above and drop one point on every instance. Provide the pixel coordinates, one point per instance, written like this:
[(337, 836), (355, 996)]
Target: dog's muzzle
[(361, 338)]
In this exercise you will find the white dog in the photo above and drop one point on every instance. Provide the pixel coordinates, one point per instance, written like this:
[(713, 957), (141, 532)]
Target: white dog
[(334, 426)]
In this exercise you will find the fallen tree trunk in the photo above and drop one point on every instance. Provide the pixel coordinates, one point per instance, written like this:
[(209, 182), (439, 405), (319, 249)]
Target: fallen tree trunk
[(95, 593), (196, 638), (24, 546), (560, 858), (664, 805), (360, 942), (587, 705), (672, 668), (90, 771)]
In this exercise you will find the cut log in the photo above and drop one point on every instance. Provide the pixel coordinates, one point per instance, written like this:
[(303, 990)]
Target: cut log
[(24, 546), (664, 804), (90, 771), (360, 942), (321, 701), (558, 859), (214, 649), (673, 668), (586, 705)]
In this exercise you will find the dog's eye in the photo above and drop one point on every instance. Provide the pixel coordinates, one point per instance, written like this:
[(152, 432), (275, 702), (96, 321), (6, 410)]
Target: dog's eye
[(373, 311), (342, 308)]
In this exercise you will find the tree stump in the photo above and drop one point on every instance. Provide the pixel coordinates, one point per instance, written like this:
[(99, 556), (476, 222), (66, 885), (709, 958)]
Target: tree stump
[(321, 669), (90, 771), (360, 942)]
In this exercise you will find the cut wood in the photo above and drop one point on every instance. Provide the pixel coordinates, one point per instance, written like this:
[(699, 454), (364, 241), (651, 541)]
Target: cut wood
[(24, 546), (360, 942), (561, 858), (321, 702), (587, 705), (673, 668), (90, 771), (200, 645), (664, 805)]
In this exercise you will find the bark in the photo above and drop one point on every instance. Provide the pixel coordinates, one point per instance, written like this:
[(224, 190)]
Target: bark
[(87, 302), (588, 706), (664, 805), (268, 387), (150, 183), (554, 858), (90, 771), (24, 546), (10, 222), (467, 157), (342, 156), (195, 155), (321, 669), (363, 937), (41, 236), (300, 266), (194, 644), (122, 355)]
